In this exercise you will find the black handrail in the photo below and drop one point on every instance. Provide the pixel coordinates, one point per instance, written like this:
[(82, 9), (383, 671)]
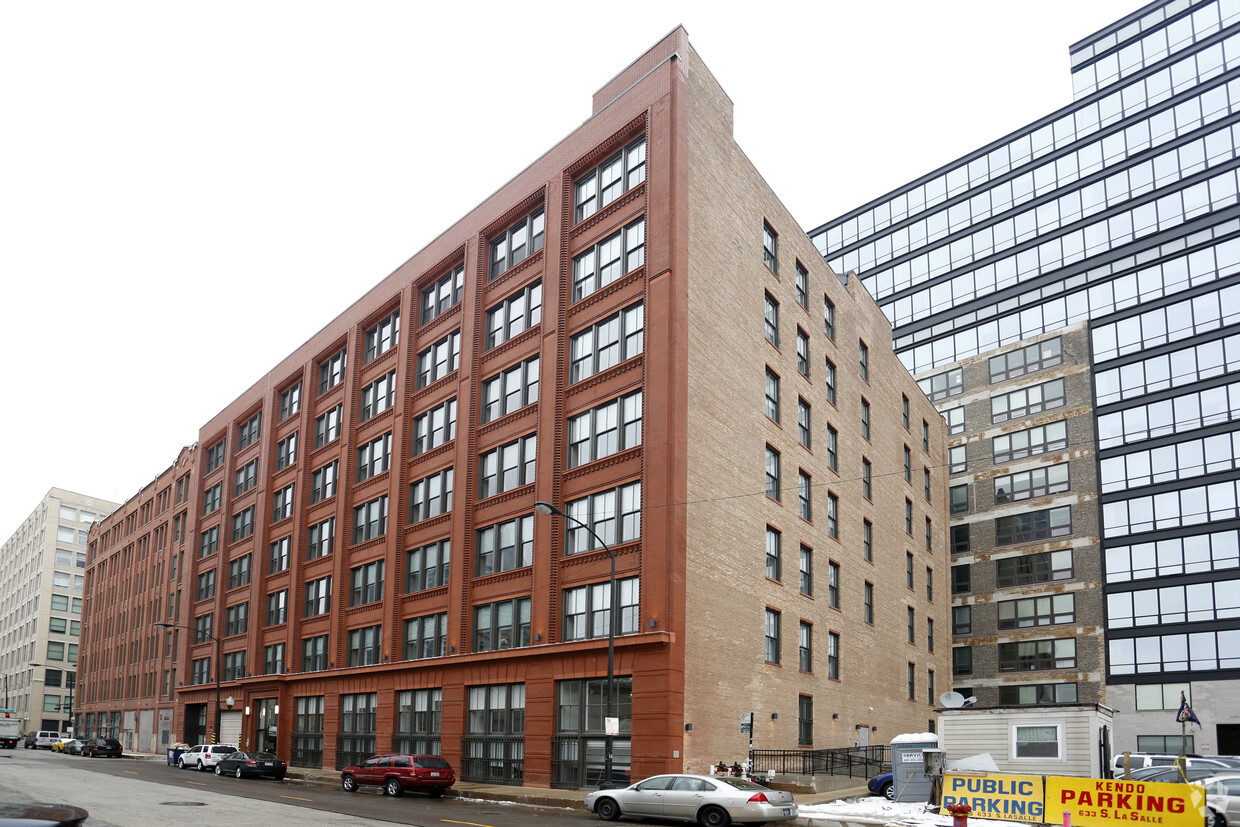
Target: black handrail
[(854, 762)]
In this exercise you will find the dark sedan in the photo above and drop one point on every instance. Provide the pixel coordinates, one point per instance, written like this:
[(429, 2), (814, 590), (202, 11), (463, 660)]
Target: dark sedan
[(241, 764), (101, 748)]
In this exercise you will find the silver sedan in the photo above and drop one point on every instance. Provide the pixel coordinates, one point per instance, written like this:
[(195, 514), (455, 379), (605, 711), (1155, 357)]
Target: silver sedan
[(713, 800)]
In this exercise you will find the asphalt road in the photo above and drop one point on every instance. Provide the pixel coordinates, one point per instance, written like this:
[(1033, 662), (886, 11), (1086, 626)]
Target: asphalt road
[(140, 793)]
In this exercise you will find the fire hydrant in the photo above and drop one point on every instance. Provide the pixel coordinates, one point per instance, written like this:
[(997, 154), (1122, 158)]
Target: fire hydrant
[(960, 814)]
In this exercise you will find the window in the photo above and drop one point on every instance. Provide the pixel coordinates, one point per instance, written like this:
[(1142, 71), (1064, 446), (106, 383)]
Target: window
[(828, 317), (378, 396), (286, 451), (206, 586), (426, 637), (904, 410), (804, 431), (278, 554), (209, 541), (1036, 741), (323, 482), (772, 473), (1026, 401), (1029, 612), (614, 515), (374, 457), (955, 423), (427, 567), (833, 448), (610, 428), (908, 569), (621, 252), (805, 647), (513, 316), (587, 610), (833, 516), (807, 571), (282, 503), (211, 498), (430, 496), (959, 497), (1049, 693), (910, 626), (249, 431), (772, 636), (1031, 442), (518, 242), (1033, 525), (215, 456), (505, 546), (833, 656), (331, 371), (434, 427), (365, 646), (234, 666), (243, 524), (908, 464), (929, 534), (1033, 655), (908, 516), (961, 579), (1158, 696), (383, 336), (943, 385), (290, 401), (771, 320), (1026, 360), (204, 626), (318, 597), (869, 603), (366, 583), (1027, 569), (805, 720), (863, 354), (370, 519), (608, 343), (925, 474), (440, 359), (1037, 482), (828, 380), (957, 459), (867, 540), (803, 352), (930, 698), (320, 539), (277, 607), (502, 625), (609, 180), (929, 584), (805, 493), (327, 426), (239, 572), (865, 418), (833, 584), (770, 247), (1167, 744), (867, 479), (237, 619), (962, 620), (962, 660), (273, 659), (508, 391), (929, 634), (443, 295), (772, 395), (773, 543), (802, 286), (912, 682)]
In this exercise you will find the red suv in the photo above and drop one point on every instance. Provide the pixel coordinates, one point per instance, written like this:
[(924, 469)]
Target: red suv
[(396, 773)]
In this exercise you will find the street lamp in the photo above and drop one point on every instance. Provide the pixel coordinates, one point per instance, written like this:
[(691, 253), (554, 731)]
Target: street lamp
[(218, 665), (610, 724)]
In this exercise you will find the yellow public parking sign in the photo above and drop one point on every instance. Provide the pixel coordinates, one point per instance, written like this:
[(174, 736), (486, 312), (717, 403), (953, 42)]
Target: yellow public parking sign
[(997, 795), (1091, 802)]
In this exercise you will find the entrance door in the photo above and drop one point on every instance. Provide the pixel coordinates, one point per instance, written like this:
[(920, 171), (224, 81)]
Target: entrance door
[(863, 735), (267, 723)]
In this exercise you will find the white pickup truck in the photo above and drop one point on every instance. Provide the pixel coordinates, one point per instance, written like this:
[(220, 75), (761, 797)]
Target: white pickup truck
[(9, 726)]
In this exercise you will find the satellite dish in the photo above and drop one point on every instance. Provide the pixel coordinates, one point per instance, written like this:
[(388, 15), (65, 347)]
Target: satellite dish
[(969, 701), (952, 700)]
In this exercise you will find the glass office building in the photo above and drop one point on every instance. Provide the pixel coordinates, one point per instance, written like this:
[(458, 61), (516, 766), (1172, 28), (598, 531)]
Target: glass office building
[(1069, 296)]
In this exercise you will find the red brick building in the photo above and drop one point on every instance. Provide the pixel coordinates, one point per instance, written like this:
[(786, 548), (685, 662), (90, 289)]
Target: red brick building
[(635, 330)]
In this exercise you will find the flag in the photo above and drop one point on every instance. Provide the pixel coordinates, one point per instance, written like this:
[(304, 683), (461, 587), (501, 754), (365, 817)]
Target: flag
[(1186, 714)]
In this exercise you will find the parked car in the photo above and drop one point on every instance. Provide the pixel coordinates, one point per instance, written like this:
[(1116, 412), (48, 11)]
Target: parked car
[(712, 800), (260, 764), (1172, 774), (59, 744), (396, 773), (102, 748), (74, 747), (1139, 760), (1222, 799), (884, 784), (41, 739), (204, 756)]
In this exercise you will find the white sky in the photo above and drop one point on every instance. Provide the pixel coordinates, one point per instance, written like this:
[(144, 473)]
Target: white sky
[(190, 190)]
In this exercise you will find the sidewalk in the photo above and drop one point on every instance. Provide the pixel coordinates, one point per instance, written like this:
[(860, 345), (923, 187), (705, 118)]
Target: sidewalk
[(535, 796)]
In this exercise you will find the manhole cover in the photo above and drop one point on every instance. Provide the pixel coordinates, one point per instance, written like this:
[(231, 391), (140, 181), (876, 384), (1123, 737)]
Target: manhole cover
[(182, 803)]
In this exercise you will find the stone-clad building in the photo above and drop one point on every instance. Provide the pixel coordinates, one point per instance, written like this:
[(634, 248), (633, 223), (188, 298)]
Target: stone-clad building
[(635, 330)]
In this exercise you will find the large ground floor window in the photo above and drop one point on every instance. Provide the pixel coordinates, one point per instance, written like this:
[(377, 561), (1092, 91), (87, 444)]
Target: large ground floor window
[(493, 747), (579, 746), (356, 741), (308, 733), (418, 721)]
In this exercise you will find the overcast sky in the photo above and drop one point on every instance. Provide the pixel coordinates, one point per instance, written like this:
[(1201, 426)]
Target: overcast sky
[(190, 190)]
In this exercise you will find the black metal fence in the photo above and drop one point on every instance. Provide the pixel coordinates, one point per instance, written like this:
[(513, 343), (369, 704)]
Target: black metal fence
[(855, 762)]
